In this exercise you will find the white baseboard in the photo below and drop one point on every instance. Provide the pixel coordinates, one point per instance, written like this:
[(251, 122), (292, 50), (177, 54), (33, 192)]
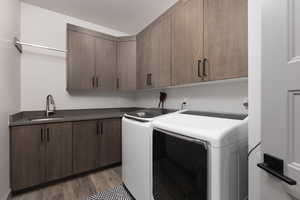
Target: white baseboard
[(7, 196)]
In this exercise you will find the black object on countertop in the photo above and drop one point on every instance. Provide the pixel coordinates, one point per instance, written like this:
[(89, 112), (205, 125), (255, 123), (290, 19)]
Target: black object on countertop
[(162, 100)]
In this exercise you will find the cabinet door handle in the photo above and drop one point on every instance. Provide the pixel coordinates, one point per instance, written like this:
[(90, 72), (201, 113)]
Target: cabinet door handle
[(204, 67), (93, 82), (42, 135), (98, 129), (101, 128), (199, 68), (149, 79), (118, 83), (97, 82), (48, 135)]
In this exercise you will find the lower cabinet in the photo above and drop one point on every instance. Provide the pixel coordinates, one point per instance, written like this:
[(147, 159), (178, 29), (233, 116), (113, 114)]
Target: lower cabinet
[(110, 143), (96, 144), (85, 143), (27, 156), (43, 153), (58, 151), (40, 153)]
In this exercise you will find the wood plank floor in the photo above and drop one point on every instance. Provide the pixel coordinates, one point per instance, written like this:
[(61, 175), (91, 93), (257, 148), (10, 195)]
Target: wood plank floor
[(77, 188)]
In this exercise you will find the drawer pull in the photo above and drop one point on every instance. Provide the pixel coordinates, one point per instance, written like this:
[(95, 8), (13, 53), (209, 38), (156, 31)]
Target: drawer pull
[(204, 67), (149, 79), (199, 68), (42, 135), (48, 135), (101, 128)]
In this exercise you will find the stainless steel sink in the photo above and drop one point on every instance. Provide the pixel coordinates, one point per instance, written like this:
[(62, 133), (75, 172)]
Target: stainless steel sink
[(46, 119)]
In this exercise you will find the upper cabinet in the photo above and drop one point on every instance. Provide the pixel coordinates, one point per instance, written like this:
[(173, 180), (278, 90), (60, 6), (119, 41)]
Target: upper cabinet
[(144, 72), (154, 54), (209, 40), (160, 62), (226, 39), (126, 62), (106, 64), (193, 41), (203, 40), (80, 61), (92, 61), (188, 22)]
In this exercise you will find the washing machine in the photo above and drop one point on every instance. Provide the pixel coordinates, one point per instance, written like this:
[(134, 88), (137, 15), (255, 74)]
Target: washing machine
[(199, 155), (137, 150)]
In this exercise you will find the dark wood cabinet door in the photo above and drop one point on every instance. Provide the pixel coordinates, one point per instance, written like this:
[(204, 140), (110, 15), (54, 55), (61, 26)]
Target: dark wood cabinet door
[(27, 156), (106, 64), (85, 145), (110, 142), (160, 62), (58, 150), (80, 60), (188, 35), (144, 71), (226, 43), (126, 79), (154, 54)]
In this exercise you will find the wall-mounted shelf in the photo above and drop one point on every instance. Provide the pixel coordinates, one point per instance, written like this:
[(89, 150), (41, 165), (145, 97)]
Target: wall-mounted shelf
[(19, 45)]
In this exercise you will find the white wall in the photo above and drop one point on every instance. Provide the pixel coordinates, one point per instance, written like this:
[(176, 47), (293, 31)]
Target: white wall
[(254, 21), (220, 96), (9, 82), (44, 72)]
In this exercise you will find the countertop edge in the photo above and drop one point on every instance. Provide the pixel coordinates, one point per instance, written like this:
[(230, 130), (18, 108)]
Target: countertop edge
[(22, 120)]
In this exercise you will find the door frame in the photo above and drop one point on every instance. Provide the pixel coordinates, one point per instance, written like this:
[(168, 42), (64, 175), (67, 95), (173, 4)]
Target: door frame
[(254, 89)]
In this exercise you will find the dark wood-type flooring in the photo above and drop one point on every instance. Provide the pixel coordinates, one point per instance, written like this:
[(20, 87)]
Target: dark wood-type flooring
[(76, 189)]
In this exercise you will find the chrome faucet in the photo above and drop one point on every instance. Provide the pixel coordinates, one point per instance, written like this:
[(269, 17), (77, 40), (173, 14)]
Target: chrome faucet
[(50, 101)]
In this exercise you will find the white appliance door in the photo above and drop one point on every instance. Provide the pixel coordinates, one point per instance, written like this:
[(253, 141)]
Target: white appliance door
[(136, 157), (281, 95)]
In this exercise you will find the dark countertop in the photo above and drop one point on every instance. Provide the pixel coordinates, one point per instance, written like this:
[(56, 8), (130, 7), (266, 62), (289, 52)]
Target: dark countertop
[(24, 118)]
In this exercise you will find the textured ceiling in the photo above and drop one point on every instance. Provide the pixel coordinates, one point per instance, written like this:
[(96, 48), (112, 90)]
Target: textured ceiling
[(129, 16)]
